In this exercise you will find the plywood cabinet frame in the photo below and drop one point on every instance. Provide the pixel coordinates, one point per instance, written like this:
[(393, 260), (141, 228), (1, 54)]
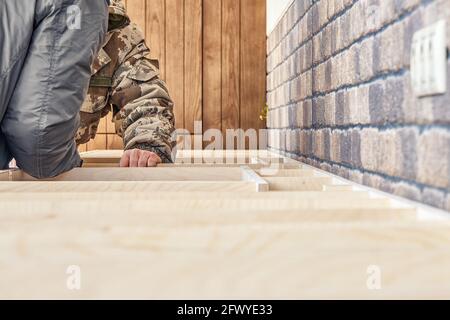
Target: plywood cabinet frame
[(287, 221)]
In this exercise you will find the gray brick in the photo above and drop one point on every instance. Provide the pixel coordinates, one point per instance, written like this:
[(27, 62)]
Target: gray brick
[(299, 115), (327, 143), (356, 176), (391, 43), (325, 166), (406, 190), (376, 93), (447, 202), (318, 112), (307, 113), (393, 100), (336, 36), (292, 116), (340, 108), (366, 60), (408, 142), (412, 25), (388, 152), (440, 104), (372, 15), (356, 148), (346, 147), (315, 18), (345, 30), (326, 43), (330, 103), (318, 144), (335, 150), (434, 197), (357, 21), (369, 149), (434, 158)]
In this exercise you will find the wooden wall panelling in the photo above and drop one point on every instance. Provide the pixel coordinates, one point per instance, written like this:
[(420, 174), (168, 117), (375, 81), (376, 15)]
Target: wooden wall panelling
[(212, 64), (212, 57), (156, 31), (253, 65), (193, 60), (114, 142), (99, 143), (230, 64), (136, 10), (128, 186), (174, 70)]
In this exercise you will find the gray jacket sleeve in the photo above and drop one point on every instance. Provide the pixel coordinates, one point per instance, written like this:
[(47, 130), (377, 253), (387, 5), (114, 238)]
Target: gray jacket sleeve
[(42, 115)]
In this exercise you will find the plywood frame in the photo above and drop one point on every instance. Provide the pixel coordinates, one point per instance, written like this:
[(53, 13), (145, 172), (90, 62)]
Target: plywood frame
[(313, 235)]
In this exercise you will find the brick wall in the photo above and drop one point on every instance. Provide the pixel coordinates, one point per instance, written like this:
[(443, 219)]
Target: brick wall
[(340, 97)]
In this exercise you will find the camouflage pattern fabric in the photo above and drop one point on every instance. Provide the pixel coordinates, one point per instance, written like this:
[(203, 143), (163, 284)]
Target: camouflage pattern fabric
[(124, 81)]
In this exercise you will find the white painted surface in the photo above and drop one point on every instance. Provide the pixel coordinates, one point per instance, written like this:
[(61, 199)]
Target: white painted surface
[(275, 10)]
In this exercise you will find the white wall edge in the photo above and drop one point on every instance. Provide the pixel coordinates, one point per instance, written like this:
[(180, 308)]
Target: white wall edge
[(290, 3)]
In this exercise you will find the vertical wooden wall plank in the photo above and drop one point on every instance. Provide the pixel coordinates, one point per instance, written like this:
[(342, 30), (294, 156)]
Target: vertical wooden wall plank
[(136, 11), (212, 64), (175, 57), (114, 142), (99, 143), (193, 60), (156, 32), (230, 63), (253, 63)]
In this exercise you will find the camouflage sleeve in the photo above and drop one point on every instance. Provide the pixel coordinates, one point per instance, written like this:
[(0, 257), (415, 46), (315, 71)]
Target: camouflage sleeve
[(143, 109)]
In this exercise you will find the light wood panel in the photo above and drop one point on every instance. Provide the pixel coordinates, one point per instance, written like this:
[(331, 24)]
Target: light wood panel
[(131, 186), (212, 64), (193, 60), (139, 174), (155, 31), (230, 64), (253, 53), (175, 46)]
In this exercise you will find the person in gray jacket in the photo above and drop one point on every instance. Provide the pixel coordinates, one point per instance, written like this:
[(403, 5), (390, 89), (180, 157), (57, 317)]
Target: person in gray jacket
[(46, 51)]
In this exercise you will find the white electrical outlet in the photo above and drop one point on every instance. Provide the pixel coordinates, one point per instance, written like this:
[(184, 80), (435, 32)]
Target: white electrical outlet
[(429, 60)]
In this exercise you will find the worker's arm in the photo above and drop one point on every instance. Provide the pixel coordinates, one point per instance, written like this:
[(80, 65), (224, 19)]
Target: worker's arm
[(43, 114), (143, 109)]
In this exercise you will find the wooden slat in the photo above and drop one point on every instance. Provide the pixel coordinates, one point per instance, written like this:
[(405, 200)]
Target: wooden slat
[(193, 60), (136, 11), (141, 174), (230, 64), (110, 125), (99, 143), (212, 64), (175, 57), (298, 184), (276, 240), (82, 148), (156, 31), (142, 206), (275, 172), (251, 176), (253, 66), (169, 195), (173, 218), (130, 186)]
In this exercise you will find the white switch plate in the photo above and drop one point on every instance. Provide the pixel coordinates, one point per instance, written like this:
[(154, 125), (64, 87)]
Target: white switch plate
[(429, 60)]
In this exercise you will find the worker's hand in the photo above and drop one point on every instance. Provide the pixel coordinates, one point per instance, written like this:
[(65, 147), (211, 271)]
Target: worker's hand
[(139, 158)]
